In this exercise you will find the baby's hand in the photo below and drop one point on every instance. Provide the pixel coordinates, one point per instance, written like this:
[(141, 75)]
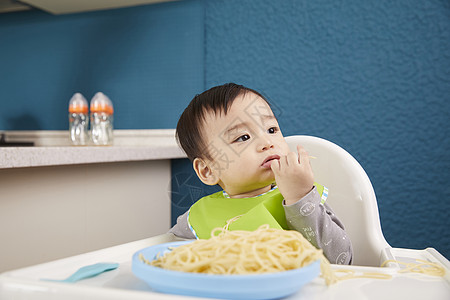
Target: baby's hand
[(293, 175)]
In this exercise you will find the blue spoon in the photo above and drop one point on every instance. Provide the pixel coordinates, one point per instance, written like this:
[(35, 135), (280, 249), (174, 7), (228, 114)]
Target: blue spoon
[(88, 272)]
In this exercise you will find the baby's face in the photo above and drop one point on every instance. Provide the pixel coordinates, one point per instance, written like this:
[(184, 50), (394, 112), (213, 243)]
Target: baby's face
[(243, 143)]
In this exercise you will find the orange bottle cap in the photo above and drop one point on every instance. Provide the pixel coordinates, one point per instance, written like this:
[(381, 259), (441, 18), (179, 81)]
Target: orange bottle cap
[(78, 104), (101, 103)]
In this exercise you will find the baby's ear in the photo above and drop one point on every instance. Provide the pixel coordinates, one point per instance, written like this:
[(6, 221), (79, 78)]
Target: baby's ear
[(205, 172)]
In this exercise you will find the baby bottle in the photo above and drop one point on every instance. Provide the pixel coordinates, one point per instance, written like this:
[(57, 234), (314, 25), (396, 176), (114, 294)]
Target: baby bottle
[(78, 119), (101, 120)]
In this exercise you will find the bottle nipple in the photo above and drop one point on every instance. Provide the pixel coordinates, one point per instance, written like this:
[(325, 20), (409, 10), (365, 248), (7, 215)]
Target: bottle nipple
[(100, 103), (78, 104)]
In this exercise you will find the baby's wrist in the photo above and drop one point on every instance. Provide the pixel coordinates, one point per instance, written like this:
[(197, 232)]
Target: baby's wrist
[(295, 198)]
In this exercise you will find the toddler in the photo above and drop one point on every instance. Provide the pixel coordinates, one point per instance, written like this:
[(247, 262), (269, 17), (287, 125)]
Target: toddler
[(233, 139)]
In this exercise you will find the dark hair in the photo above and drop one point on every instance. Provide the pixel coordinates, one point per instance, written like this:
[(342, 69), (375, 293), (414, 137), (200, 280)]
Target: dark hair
[(189, 132)]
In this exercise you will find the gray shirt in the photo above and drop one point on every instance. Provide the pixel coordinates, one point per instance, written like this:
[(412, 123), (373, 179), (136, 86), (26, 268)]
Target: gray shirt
[(314, 220)]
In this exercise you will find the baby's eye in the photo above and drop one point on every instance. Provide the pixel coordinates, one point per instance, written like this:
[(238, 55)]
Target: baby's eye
[(272, 130), (242, 138)]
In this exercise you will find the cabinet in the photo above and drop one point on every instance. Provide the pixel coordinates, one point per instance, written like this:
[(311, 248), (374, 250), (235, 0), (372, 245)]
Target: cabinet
[(59, 201)]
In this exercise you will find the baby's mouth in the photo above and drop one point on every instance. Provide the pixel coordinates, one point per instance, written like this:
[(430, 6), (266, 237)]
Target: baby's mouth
[(268, 161)]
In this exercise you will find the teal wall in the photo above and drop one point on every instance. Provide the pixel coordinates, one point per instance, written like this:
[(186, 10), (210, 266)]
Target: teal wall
[(371, 76), (147, 59)]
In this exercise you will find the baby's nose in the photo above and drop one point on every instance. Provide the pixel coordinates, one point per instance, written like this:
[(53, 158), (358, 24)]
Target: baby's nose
[(266, 144)]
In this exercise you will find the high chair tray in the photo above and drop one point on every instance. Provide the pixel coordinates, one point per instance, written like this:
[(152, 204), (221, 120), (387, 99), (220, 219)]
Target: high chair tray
[(121, 283)]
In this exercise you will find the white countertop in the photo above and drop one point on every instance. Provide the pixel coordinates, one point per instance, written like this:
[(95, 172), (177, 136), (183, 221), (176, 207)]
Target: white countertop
[(54, 148)]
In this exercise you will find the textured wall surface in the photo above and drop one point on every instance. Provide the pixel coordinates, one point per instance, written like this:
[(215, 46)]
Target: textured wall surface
[(147, 59), (371, 76)]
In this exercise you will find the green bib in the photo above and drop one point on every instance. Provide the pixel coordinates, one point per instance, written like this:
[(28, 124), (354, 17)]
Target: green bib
[(215, 210)]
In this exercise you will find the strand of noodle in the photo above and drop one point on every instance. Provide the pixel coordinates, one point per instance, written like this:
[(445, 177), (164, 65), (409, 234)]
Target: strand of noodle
[(257, 257), (274, 261), (375, 275), (351, 274), (420, 266), (231, 221)]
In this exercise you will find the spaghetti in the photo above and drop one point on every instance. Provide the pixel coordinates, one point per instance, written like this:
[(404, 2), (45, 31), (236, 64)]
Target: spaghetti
[(265, 250)]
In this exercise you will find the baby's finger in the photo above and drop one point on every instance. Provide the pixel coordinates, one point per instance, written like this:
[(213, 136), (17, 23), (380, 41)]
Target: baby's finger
[(275, 166), (292, 159), (303, 157), (283, 162)]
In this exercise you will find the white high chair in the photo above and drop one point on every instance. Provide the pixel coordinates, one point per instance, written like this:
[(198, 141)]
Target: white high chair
[(351, 196)]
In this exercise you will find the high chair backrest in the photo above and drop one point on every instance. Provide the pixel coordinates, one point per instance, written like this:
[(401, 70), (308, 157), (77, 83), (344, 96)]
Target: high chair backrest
[(350, 195)]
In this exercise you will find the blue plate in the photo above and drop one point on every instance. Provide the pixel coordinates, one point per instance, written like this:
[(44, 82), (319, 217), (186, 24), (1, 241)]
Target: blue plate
[(261, 286)]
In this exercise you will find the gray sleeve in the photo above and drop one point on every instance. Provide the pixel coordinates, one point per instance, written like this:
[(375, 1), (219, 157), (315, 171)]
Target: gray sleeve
[(181, 228), (319, 225)]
